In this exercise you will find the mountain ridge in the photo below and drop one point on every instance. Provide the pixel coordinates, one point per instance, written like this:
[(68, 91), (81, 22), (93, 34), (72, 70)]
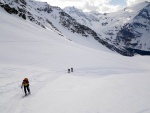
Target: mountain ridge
[(110, 25), (56, 20)]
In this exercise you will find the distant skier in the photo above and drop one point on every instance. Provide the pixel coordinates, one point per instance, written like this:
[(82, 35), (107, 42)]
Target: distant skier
[(68, 70), (71, 69), (25, 83)]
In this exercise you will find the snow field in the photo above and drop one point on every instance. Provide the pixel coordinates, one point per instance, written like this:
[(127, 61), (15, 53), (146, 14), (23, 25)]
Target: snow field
[(77, 92), (102, 82)]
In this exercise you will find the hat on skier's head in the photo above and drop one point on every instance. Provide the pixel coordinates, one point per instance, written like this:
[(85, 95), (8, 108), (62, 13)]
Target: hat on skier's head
[(26, 79)]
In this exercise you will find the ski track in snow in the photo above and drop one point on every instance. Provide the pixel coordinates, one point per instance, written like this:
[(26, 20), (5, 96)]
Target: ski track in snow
[(39, 79), (109, 84)]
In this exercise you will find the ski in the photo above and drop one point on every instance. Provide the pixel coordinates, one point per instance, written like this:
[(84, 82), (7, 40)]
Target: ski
[(26, 95)]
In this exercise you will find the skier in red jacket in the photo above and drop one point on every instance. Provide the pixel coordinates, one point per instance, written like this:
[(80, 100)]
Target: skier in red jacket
[(25, 83)]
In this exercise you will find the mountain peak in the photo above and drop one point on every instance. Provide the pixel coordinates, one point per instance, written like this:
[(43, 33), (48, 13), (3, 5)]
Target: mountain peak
[(72, 9)]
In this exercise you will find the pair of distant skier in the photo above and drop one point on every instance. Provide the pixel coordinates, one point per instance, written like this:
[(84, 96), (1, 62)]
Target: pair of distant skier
[(70, 70), (25, 84)]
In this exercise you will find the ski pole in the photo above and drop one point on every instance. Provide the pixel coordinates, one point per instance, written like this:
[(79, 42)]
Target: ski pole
[(22, 88)]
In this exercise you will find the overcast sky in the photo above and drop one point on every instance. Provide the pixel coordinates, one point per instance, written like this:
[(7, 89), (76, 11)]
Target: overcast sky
[(102, 6)]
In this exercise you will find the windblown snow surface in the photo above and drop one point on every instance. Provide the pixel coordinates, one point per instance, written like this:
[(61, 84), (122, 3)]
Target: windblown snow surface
[(102, 82)]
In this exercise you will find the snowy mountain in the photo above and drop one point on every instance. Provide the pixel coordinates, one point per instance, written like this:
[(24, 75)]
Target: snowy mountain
[(127, 28), (102, 81), (125, 31), (85, 18), (58, 21)]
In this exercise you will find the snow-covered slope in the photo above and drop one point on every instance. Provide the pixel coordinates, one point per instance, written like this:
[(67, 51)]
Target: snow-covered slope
[(127, 28), (102, 82), (58, 21), (52, 18)]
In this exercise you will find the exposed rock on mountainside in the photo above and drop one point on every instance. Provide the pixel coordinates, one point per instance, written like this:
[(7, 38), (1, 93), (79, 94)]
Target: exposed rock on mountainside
[(128, 28), (135, 35)]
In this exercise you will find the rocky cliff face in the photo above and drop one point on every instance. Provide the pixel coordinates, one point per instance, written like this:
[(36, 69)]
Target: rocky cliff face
[(30, 10), (135, 34)]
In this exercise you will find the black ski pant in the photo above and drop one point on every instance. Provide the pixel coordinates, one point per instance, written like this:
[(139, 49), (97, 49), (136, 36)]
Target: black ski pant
[(26, 88)]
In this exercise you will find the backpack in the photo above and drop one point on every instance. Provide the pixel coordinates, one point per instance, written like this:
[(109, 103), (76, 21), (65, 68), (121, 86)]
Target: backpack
[(25, 82)]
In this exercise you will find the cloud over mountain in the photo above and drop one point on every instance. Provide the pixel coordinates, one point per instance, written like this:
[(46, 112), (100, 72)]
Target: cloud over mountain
[(132, 2), (102, 6)]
